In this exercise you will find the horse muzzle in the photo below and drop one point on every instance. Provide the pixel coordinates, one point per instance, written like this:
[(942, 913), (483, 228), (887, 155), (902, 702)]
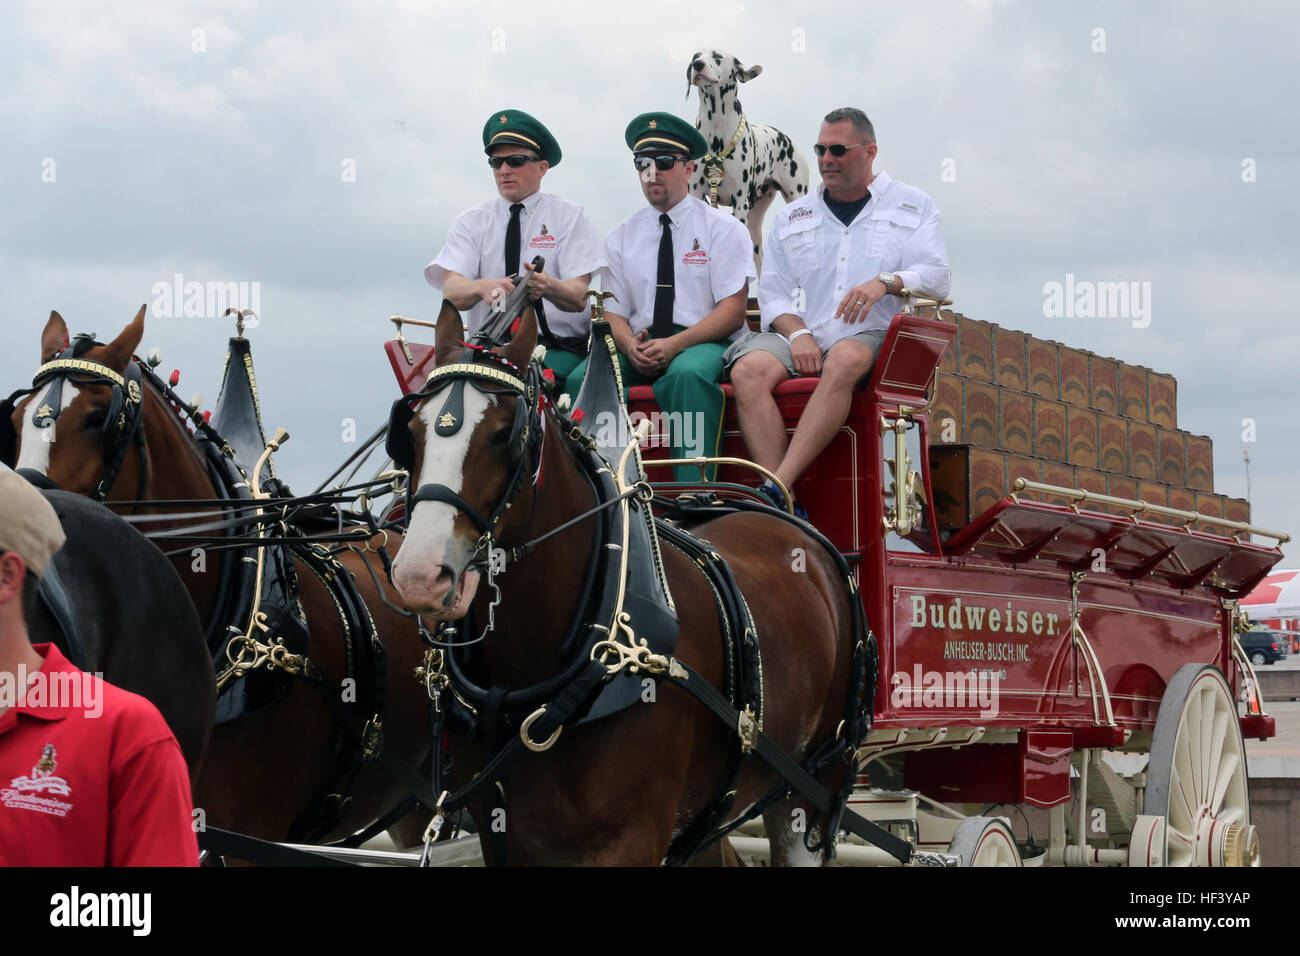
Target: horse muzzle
[(438, 592)]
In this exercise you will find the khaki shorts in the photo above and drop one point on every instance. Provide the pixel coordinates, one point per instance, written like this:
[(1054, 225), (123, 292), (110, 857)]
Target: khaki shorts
[(776, 344)]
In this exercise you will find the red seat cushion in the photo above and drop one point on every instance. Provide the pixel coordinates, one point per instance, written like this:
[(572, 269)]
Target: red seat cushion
[(791, 386)]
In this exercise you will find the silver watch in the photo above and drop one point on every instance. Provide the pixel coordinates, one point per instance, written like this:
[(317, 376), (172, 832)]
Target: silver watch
[(888, 278)]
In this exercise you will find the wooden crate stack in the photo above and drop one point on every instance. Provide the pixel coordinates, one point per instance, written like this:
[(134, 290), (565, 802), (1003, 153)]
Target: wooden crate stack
[(1009, 405)]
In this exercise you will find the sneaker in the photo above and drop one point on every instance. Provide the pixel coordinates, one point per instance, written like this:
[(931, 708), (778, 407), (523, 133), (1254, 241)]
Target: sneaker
[(772, 493)]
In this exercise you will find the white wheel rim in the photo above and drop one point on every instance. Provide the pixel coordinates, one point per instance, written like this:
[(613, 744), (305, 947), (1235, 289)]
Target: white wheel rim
[(984, 841), (1206, 791), (996, 849)]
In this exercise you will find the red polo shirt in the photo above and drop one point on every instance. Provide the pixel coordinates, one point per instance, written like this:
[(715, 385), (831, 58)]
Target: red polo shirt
[(80, 788)]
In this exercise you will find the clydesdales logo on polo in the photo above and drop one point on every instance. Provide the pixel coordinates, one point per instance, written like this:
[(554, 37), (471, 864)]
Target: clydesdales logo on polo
[(25, 793), (543, 239), (697, 256)]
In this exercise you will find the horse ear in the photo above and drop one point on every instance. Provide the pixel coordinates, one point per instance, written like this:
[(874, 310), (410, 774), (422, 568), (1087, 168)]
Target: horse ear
[(120, 350), (519, 350), (54, 337), (449, 334), (746, 75)]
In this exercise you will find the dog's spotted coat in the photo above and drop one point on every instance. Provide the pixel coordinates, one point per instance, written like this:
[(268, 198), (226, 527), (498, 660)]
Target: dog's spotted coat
[(763, 163)]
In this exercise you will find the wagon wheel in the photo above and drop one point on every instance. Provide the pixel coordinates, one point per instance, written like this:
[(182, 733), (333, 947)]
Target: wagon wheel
[(1197, 797), (984, 841)]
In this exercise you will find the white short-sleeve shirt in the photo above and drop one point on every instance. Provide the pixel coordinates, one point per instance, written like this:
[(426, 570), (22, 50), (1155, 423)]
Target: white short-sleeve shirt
[(811, 259), (712, 259), (553, 228)]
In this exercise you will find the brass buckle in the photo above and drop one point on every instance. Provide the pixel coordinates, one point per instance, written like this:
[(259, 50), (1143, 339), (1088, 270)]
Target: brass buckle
[(529, 742), (747, 728)]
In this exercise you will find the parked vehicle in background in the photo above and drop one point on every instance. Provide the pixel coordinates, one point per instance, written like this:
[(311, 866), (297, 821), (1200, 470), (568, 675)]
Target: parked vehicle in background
[(1263, 647)]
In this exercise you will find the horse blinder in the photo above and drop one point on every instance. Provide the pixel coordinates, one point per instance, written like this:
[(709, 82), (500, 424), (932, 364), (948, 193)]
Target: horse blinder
[(8, 437), (399, 445)]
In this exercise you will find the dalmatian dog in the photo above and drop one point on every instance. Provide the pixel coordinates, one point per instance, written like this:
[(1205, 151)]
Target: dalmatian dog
[(757, 161)]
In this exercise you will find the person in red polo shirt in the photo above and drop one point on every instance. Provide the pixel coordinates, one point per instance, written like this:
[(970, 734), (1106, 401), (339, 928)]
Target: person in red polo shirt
[(90, 775)]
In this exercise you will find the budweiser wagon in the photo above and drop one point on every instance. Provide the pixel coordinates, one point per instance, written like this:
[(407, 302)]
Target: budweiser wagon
[(1062, 653)]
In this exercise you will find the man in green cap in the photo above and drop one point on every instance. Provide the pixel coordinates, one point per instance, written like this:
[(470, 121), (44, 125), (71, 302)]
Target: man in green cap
[(492, 242), (680, 270)]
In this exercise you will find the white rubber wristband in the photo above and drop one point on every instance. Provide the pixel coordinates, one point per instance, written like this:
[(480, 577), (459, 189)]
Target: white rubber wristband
[(797, 334)]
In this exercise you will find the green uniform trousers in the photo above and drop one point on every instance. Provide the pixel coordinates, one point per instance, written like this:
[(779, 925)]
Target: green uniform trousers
[(562, 363), (688, 391)]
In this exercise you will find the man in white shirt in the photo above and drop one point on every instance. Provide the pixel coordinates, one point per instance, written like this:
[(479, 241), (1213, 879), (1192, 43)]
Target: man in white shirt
[(833, 261), (489, 243), (680, 272)]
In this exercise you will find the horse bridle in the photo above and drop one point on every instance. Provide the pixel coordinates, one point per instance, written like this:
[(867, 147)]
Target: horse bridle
[(491, 374), (123, 423)]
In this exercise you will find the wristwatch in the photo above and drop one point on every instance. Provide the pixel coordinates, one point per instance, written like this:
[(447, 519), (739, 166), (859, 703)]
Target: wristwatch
[(888, 278)]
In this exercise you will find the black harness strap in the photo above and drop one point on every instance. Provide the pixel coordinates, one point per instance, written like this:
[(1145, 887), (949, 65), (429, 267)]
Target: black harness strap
[(807, 786), (397, 768)]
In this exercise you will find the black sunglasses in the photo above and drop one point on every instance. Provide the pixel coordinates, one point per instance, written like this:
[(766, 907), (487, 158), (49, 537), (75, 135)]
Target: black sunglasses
[(514, 160), (665, 161), (836, 149)]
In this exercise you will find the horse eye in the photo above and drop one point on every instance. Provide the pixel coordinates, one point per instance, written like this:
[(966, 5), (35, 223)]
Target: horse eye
[(95, 420), (501, 437)]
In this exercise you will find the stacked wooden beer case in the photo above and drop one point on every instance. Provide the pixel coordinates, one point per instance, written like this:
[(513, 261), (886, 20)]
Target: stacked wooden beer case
[(1009, 405)]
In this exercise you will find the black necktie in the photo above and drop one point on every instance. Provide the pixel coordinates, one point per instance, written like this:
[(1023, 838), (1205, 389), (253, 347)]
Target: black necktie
[(512, 267), (512, 239), (663, 318)]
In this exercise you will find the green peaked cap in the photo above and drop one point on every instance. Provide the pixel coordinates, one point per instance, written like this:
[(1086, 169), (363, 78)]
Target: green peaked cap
[(515, 127), (651, 131)]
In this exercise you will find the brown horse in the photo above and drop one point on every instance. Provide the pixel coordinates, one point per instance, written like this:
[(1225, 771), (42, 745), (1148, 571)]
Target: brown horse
[(615, 790), (265, 770)]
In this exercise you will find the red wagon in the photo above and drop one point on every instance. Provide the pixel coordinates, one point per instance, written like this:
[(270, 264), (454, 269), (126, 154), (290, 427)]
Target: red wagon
[(1064, 653)]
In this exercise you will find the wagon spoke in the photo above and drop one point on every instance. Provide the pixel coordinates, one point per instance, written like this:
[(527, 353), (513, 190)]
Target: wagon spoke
[(1205, 745), (1227, 769)]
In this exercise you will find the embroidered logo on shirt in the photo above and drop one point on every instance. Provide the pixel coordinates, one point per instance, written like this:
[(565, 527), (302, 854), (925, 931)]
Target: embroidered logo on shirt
[(805, 213), (910, 207), (697, 256), (23, 793), (543, 240)]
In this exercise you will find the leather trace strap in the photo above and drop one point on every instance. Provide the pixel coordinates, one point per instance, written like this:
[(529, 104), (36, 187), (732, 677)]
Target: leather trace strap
[(798, 778)]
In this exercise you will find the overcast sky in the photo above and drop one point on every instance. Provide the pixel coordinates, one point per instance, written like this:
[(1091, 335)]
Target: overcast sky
[(1113, 141)]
